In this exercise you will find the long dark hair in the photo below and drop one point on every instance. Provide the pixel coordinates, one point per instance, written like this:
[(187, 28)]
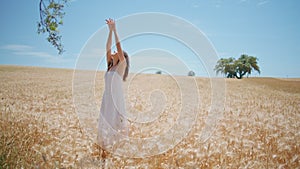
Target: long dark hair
[(127, 66), (110, 64)]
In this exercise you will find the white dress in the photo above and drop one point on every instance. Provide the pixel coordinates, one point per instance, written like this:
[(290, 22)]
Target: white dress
[(112, 122)]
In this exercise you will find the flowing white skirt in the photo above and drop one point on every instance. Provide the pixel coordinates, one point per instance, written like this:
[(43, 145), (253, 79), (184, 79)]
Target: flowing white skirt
[(112, 124)]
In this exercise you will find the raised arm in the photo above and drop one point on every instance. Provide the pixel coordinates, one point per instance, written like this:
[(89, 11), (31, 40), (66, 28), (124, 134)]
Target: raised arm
[(112, 29), (108, 48), (108, 43), (118, 45)]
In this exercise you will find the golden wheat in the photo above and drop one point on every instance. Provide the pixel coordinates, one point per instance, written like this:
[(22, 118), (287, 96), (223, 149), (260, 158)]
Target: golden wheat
[(39, 126)]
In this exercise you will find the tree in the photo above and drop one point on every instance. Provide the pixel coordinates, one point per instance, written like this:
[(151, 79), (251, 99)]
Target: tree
[(233, 68), (191, 73), (51, 17), (226, 67)]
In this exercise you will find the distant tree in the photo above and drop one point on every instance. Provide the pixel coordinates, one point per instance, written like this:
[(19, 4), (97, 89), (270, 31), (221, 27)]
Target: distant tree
[(191, 73), (158, 72), (226, 67), (233, 68), (51, 17)]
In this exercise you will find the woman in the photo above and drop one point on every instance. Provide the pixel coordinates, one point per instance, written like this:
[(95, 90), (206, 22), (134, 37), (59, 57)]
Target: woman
[(112, 123)]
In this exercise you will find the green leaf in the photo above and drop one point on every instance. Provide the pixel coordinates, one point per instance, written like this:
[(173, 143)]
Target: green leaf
[(53, 26)]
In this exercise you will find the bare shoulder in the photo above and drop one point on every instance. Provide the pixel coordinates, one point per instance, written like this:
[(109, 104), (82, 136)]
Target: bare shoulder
[(123, 62)]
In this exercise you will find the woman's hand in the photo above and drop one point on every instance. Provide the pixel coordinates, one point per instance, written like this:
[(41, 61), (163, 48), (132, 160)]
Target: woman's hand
[(111, 24)]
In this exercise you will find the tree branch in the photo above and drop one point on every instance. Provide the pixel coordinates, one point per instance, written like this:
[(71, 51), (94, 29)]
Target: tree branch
[(51, 15)]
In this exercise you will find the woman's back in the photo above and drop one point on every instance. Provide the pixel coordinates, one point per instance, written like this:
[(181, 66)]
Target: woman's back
[(119, 68)]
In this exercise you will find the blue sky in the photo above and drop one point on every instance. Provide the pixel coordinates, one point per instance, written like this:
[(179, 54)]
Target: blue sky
[(267, 29)]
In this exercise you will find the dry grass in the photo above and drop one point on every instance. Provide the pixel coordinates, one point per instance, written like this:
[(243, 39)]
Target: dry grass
[(39, 127)]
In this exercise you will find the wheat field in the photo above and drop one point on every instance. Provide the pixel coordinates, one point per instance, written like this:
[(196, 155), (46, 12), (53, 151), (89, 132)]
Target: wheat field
[(259, 126)]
